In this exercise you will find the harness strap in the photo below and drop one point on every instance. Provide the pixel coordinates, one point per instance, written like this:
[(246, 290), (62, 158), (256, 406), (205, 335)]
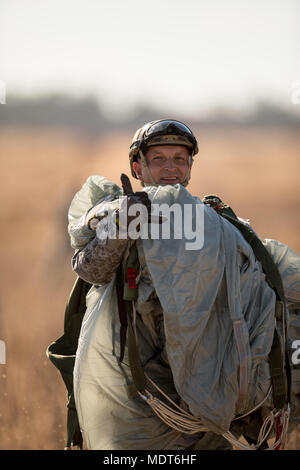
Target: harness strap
[(281, 387), (135, 363), (272, 273), (122, 311), (127, 292)]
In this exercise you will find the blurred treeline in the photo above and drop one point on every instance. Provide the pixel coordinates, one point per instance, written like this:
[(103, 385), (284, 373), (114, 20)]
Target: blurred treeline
[(86, 116)]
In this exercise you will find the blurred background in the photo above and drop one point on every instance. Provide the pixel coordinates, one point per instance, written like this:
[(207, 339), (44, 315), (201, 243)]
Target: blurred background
[(77, 78)]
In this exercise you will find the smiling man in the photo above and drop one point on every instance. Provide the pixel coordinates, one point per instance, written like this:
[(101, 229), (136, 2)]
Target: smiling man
[(168, 164), (191, 313), (162, 153)]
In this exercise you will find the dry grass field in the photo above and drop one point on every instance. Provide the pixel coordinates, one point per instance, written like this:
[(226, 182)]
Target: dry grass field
[(255, 171)]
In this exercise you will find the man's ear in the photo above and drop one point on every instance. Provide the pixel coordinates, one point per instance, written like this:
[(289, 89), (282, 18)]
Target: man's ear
[(138, 169)]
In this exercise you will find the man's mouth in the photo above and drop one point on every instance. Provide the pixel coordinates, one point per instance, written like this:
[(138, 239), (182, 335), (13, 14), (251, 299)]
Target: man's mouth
[(169, 179)]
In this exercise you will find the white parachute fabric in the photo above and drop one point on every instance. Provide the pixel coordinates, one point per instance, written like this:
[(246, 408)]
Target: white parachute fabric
[(204, 293), (95, 190), (111, 414), (288, 263), (218, 314)]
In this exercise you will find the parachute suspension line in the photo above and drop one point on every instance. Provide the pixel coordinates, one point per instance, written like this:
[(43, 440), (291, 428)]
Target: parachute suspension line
[(179, 420), (256, 407), (276, 419), (184, 422)]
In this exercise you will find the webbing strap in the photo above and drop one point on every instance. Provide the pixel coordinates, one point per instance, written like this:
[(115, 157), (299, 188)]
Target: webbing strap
[(74, 436), (137, 371), (122, 311), (276, 369), (127, 292), (281, 387), (281, 390), (271, 271)]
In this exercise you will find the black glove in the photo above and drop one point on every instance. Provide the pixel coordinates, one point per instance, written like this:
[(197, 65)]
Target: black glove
[(139, 197)]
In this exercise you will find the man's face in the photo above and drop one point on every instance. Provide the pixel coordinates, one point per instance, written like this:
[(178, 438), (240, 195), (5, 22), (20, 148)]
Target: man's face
[(168, 164)]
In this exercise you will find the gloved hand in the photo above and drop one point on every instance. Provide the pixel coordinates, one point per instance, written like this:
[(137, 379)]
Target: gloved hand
[(139, 197), (102, 210), (97, 213)]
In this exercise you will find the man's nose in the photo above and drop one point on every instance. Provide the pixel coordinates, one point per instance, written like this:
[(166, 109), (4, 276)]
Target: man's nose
[(170, 164)]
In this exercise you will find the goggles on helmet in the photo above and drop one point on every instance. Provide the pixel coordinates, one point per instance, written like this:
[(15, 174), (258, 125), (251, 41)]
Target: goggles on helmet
[(163, 132), (168, 127)]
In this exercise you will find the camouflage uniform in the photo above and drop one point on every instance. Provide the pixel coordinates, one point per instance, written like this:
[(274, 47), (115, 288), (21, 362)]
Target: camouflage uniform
[(97, 262)]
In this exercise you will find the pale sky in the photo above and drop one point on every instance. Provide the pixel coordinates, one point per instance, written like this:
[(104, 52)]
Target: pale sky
[(188, 55)]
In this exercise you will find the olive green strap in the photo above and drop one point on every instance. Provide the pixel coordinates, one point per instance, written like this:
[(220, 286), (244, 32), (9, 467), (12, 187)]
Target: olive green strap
[(261, 253), (74, 436), (130, 294), (122, 311), (277, 372), (135, 364), (281, 388)]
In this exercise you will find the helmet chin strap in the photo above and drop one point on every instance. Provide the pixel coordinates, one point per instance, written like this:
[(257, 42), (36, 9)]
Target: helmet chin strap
[(185, 182), (145, 165)]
